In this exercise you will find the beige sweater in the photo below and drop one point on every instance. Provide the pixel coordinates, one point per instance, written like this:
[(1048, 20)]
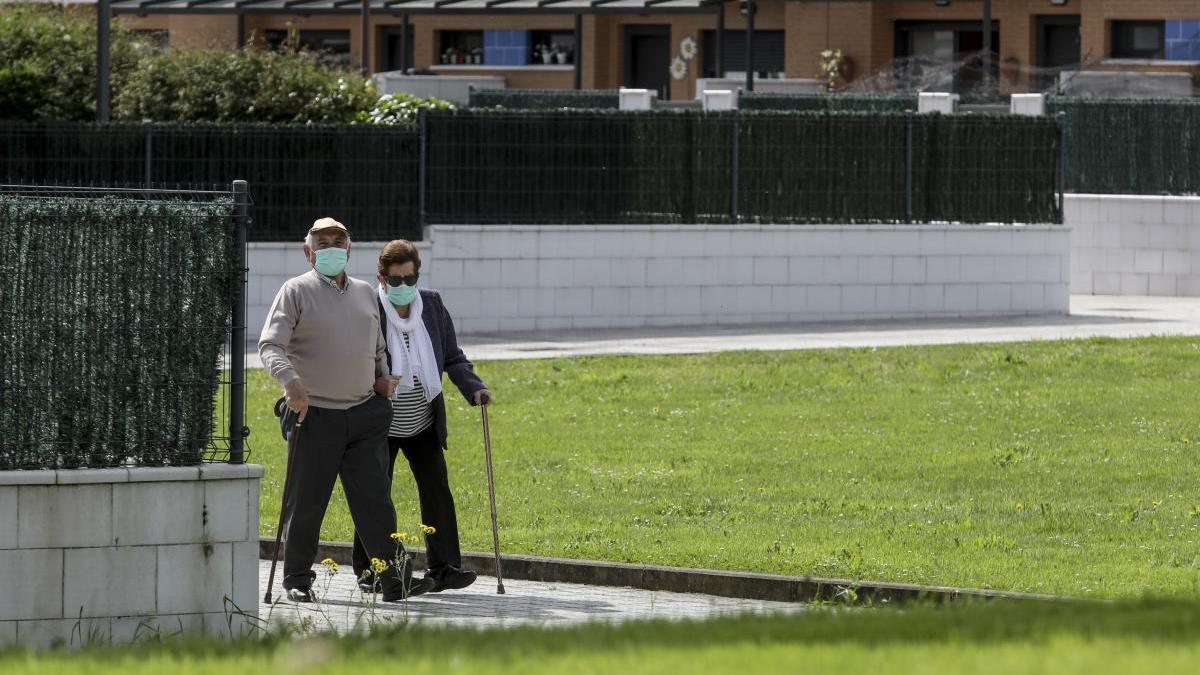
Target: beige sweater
[(327, 337)]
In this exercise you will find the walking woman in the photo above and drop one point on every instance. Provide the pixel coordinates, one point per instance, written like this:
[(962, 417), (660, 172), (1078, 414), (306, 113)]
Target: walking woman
[(421, 346)]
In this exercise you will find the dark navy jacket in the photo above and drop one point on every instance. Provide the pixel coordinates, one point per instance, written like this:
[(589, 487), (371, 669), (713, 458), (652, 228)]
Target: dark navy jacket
[(450, 358)]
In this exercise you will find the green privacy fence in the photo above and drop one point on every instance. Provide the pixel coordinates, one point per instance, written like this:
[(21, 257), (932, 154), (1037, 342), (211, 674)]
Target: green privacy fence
[(543, 99), (1131, 146), (113, 317), (573, 166), (847, 102), (688, 167), (366, 176)]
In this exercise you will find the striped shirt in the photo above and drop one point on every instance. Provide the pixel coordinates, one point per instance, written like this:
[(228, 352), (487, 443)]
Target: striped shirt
[(411, 413)]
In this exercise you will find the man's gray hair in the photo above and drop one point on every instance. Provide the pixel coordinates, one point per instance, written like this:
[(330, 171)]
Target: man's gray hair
[(310, 240)]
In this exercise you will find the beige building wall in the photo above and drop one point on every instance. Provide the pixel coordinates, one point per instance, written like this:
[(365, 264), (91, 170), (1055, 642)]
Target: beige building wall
[(863, 29)]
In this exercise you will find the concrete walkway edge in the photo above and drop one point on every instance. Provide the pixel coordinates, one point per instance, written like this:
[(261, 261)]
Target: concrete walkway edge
[(745, 585)]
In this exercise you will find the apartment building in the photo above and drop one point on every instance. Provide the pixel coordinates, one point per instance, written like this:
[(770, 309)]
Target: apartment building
[(604, 44)]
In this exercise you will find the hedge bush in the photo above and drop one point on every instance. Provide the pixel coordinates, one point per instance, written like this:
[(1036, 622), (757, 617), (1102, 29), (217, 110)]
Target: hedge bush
[(112, 319)]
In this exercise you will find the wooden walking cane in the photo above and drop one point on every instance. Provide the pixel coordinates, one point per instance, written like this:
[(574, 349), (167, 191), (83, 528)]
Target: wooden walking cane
[(487, 451), (287, 486)]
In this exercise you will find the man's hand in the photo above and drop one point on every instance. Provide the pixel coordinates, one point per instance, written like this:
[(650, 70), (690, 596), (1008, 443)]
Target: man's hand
[(384, 386), (483, 397), (297, 398)]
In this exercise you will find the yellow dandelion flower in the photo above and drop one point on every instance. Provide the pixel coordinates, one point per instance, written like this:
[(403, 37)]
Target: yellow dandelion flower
[(327, 562), (428, 529), (378, 565), (398, 536)]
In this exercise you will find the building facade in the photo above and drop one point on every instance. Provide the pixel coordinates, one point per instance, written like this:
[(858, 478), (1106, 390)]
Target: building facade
[(614, 43)]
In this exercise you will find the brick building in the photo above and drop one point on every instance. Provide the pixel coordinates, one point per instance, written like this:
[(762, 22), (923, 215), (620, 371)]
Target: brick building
[(604, 44)]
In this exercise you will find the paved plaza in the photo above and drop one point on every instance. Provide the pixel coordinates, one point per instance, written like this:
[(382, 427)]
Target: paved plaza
[(525, 602)]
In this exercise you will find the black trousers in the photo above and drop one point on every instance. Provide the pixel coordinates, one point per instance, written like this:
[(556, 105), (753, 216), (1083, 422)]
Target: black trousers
[(428, 464), (350, 444)]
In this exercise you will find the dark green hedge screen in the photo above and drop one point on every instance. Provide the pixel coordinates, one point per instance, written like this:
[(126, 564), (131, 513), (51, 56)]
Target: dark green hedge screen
[(112, 318)]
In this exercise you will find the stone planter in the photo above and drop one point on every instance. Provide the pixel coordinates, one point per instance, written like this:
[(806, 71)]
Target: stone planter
[(109, 555)]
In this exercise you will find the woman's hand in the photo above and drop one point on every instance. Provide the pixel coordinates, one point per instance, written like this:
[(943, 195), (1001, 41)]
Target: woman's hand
[(483, 397)]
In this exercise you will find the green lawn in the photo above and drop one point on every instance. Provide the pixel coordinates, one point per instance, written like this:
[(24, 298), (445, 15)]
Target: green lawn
[(1060, 467), (999, 639)]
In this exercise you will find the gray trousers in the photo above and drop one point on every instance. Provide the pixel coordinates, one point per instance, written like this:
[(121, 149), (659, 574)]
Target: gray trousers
[(350, 444)]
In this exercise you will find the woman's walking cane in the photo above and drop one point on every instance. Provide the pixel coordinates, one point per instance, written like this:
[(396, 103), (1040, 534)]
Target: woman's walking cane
[(487, 451), (287, 486)]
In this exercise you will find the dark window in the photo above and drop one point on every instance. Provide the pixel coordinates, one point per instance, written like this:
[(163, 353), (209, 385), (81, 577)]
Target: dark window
[(460, 46), (156, 37), (1138, 39), (553, 41), (768, 51), (333, 46)]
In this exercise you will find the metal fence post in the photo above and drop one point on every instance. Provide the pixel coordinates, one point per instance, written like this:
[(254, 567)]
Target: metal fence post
[(908, 166), (734, 166), (1062, 161), (422, 138), (148, 148), (237, 347)]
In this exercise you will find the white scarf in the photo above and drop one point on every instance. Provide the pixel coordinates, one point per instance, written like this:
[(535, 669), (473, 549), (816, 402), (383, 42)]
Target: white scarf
[(421, 361)]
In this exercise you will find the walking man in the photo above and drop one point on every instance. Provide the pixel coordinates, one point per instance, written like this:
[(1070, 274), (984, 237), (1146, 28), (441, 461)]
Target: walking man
[(322, 343)]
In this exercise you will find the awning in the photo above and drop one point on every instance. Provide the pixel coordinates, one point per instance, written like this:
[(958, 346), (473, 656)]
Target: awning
[(412, 6)]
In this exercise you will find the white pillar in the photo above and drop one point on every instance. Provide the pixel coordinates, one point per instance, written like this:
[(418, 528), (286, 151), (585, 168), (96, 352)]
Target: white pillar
[(636, 99), (937, 102), (718, 99), (1033, 105)]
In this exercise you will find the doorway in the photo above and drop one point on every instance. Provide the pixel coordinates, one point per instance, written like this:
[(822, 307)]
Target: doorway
[(648, 59), (1058, 48), (397, 48), (945, 56)]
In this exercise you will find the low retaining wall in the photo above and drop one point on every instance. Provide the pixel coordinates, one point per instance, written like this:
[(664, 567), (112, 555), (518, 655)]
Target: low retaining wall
[(515, 278), (100, 555), (1134, 244)]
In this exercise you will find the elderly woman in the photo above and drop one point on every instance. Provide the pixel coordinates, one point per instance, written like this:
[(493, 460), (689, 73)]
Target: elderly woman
[(421, 346)]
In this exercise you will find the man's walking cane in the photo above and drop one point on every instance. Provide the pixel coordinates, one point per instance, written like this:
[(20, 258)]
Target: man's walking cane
[(287, 486), (487, 451)]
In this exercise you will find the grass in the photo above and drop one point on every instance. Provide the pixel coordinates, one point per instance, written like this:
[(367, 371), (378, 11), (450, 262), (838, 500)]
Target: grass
[(998, 638), (1065, 467)]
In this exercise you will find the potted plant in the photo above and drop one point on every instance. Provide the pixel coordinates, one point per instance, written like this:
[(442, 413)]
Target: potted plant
[(477, 55), (833, 66), (547, 54), (560, 53)]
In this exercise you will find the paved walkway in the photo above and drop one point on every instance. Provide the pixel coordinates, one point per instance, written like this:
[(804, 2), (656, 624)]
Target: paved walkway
[(524, 602), (1091, 316)]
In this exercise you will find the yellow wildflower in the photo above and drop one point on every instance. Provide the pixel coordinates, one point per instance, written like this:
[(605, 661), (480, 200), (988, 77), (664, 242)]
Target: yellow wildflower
[(378, 565), (398, 536), (428, 529), (327, 562)]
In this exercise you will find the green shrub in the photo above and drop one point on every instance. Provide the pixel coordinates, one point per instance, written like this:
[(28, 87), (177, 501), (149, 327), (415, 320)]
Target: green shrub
[(48, 62), (400, 109), (186, 85)]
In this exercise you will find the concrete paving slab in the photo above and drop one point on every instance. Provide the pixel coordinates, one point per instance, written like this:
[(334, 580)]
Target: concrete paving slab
[(345, 608), (1091, 316)]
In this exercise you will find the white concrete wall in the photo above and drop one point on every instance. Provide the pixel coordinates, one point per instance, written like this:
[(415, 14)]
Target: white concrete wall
[(512, 278), (100, 555), (1134, 244)]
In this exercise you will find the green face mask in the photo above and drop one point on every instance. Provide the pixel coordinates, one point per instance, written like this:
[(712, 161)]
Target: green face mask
[(402, 295), (331, 261)]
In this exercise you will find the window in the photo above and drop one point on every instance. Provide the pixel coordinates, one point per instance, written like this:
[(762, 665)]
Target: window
[(460, 46), (1138, 39), (768, 52), (333, 46), (547, 45)]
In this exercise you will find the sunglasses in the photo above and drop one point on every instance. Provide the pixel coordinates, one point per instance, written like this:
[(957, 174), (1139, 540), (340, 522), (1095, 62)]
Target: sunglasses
[(405, 279)]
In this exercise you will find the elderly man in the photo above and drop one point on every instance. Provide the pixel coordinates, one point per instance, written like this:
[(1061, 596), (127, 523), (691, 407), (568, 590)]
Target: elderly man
[(322, 343)]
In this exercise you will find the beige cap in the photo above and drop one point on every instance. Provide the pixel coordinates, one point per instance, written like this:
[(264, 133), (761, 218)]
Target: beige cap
[(322, 224)]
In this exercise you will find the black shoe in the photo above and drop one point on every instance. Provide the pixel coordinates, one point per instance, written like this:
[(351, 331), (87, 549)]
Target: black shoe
[(452, 578), (415, 587), (367, 587), (301, 595)]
